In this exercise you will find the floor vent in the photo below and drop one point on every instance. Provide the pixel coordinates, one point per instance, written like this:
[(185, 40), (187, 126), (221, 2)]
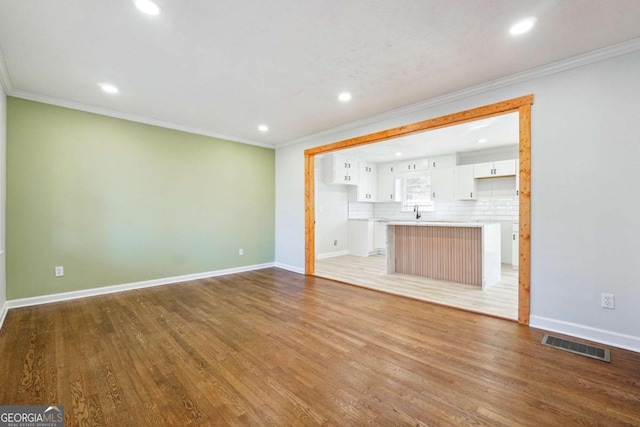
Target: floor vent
[(578, 348)]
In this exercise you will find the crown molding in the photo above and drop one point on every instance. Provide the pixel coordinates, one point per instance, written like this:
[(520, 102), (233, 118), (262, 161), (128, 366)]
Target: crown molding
[(5, 81), (535, 73), (127, 116)]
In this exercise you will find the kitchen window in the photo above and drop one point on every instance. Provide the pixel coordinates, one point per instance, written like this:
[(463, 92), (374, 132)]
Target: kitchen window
[(416, 190)]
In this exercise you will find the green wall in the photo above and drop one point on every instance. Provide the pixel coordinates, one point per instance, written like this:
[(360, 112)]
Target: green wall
[(117, 202)]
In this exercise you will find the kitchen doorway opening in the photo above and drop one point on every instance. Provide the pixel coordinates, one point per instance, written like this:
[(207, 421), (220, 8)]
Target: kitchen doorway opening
[(519, 107)]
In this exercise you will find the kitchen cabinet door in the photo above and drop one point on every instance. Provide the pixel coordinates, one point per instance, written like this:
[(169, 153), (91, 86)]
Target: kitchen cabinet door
[(504, 168), (387, 190), (465, 183), (387, 168), (360, 237), (446, 161), (380, 236), (443, 184), (341, 170), (367, 182), (413, 165), (494, 169)]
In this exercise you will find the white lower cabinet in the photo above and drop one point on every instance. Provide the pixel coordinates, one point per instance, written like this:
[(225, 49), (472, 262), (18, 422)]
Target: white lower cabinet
[(380, 236), (360, 237)]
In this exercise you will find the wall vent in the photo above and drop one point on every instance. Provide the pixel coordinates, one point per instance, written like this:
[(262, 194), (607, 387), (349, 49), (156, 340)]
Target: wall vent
[(578, 348)]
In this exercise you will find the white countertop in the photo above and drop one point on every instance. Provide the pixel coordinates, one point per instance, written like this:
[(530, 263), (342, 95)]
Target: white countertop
[(437, 224)]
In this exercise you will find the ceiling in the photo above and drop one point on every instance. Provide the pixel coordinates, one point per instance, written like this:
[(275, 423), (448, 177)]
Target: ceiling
[(487, 134), (223, 67)]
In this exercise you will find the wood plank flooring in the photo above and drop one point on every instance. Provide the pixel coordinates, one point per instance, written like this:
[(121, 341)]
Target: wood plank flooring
[(272, 347), (501, 300)]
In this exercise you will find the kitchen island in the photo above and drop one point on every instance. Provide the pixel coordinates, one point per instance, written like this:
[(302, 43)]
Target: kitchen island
[(461, 252)]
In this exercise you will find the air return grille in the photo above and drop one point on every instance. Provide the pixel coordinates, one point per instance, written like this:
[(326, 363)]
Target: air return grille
[(577, 348)]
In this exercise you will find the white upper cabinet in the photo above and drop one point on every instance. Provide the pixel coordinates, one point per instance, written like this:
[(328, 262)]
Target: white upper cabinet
[(413, 165), (340, 170), (465, 183), (388, 188), (387, 168), (443, 183), (367, 182), (446, 161), (495, 169)]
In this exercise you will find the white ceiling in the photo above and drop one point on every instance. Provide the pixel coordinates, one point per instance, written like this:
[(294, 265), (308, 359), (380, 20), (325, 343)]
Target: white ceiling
[(223, 67), (496, 132)]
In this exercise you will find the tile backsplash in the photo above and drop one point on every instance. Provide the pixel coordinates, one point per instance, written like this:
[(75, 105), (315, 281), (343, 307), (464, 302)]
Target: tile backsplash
[(481, 210), (495, 203)]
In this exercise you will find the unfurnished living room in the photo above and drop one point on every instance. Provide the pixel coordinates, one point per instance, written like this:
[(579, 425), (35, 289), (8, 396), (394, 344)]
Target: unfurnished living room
[(414, 212)]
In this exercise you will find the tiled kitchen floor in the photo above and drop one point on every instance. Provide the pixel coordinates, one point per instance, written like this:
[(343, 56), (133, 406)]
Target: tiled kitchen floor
[(501, 300)]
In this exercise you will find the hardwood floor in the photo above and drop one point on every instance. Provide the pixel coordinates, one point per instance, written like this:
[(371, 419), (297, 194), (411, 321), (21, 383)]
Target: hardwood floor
[(501, 300), (272, 347)]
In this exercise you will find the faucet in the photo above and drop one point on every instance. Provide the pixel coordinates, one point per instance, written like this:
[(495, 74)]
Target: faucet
[(417, 211)]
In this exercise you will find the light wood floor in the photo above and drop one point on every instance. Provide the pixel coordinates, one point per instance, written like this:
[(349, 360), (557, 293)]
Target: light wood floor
[(501, 300), (272, 347)]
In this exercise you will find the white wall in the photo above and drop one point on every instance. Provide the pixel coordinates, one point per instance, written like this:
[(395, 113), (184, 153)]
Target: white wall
[(331, 215), (584, 204)]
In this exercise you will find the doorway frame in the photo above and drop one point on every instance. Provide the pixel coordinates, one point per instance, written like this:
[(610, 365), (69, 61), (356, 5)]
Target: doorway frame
[(522, 105)]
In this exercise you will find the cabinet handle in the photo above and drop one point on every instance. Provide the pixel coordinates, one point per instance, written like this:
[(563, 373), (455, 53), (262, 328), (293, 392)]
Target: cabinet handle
[(345, 165), (514, 237), (471, 195), (434, 164), (517, 192), (409, 167), (434, 195), (392, 169)]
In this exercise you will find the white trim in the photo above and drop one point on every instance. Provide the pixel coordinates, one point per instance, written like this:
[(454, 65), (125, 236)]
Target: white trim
[(127, 116), (3, 313), (535, 73), (66, 296), (5, 81), (628, 342), (332, 254), (289, 268)]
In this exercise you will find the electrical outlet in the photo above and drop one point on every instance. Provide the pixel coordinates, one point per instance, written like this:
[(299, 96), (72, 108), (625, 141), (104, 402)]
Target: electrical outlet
[(607, 301), (240, 251), (59, 271)]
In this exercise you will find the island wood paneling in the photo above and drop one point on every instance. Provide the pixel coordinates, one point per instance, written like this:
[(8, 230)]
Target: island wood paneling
[(442, 253), (275, 348), (521, 104)]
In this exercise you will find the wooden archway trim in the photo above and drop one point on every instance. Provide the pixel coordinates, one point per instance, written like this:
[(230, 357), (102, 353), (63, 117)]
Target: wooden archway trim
[(522, 105)]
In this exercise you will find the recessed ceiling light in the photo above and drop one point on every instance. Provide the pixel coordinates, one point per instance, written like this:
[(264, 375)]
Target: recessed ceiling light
[(482, 141), (147, 6), (108, 88), (263, 128), (523, 26), (344, 96), (398, 154)]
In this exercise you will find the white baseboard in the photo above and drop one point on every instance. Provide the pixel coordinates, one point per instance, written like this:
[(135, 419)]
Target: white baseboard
[(66, 296), (289, 268), (332, 254), (627, 342), (3, 313)]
